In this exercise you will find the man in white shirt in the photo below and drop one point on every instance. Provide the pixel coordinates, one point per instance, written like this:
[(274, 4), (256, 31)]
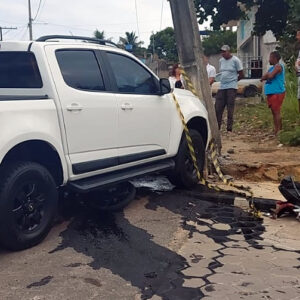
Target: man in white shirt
[(211, 71)]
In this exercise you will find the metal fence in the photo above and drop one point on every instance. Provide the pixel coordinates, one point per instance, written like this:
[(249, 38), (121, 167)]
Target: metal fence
[(253, 66)]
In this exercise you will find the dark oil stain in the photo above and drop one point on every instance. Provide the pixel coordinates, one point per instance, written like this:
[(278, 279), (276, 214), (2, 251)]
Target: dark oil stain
[(245, 284), (209, 288), (196, 258), (93, 281), (43, 281), (58, 248), (239, 273), (74, 265), (214, 265), (150, 275), (297, 267), (113, 243)]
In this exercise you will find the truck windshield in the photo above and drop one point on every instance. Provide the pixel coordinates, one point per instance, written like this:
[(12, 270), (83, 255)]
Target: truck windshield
[(19, 70)]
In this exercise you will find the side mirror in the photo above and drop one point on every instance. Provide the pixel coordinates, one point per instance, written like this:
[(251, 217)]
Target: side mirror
[(164, 85)]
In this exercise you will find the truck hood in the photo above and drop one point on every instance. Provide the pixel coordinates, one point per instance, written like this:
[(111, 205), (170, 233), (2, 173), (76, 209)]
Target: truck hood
[(184, 97)]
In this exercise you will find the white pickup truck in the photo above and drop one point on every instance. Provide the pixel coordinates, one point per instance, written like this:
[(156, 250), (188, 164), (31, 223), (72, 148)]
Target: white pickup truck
[(81, 114)]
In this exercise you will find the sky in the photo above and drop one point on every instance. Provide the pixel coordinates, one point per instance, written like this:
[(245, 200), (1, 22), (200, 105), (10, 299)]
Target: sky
[(74, 17)]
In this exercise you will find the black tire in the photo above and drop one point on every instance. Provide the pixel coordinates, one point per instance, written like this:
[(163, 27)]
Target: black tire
[(28, 203), (250, 91), (113, 199), (184, 175)]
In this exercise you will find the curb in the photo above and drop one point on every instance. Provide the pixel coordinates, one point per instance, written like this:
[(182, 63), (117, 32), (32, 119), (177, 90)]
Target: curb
[(231, 198)]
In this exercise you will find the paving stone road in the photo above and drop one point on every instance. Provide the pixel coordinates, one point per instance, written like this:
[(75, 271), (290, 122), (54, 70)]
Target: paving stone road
[(167, 246)]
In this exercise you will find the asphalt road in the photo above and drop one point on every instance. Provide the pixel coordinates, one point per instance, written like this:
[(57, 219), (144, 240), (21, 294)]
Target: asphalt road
[(165, 245)]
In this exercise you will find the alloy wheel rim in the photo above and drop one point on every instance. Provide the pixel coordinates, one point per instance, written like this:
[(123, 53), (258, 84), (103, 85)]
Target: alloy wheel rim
[(29, 207)]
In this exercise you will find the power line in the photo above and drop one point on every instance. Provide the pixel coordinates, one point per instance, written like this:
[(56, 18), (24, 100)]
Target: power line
[(9, 28), (42, 8), (21, 32), (161, 15), (38, 10), (137, 18), (24, 34)]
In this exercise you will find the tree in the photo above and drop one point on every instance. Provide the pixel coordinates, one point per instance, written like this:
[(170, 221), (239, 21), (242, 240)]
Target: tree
[(270, 15), (99, 34), (130, 39), (288, 47), (282, 17), (217, 39), (164, 44)]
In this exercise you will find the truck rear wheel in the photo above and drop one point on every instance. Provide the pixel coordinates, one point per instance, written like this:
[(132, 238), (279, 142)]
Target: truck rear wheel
[(28, 202), (185, 175)]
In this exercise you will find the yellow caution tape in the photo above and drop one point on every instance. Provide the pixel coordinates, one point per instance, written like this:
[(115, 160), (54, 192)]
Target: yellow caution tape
[(244, 191)]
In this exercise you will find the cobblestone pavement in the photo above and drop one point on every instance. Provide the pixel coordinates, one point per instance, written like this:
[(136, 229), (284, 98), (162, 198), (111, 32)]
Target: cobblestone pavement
[(167, 246)]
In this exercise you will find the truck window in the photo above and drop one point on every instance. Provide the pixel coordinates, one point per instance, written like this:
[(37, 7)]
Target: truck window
[(130, 76), (80, 69), (19, 70)]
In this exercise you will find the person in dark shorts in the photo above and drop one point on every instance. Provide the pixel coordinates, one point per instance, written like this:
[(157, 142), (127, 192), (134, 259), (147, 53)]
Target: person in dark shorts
[(231, 69), (275, 88)]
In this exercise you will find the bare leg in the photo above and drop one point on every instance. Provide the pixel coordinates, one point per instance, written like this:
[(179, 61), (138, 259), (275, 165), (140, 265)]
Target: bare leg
[(277, 122)]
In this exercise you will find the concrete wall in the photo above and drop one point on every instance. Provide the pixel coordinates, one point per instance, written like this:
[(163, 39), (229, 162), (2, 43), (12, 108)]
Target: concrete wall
[(159, 67)]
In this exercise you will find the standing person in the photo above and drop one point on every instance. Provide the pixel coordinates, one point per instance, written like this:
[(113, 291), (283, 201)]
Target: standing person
[(297, 66), (231, 69), (211, 71), (176, 79), (275, 88)]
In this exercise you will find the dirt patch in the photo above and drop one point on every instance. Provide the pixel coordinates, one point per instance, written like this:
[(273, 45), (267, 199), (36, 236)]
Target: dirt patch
[(258, 157)]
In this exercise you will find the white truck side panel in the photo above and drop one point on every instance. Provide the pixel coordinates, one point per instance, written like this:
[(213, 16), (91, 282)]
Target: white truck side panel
[(25, 120)]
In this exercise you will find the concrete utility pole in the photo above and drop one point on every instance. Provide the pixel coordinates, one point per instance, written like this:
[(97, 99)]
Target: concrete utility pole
[(190, 53), (1, 29), (30, 20)]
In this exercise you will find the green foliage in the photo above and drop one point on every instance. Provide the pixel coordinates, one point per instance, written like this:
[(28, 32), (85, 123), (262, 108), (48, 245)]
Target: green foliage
[(217, 39), (164, 44), (290, 115), (288, 47), (271, 14), (99, 34), (132, 39)]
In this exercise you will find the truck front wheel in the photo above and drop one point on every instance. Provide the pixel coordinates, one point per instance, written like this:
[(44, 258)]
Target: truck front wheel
[(184, 174), (28, 202)]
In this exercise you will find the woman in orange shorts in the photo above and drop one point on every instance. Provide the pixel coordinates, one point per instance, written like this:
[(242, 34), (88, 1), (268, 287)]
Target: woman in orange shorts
[(275, 88)]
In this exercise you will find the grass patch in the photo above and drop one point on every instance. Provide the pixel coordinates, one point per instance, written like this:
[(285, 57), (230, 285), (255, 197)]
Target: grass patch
[(258, 117), (253, 117), (290, 115)]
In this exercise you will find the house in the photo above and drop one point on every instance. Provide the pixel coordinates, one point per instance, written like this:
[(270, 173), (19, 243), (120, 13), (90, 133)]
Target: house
[(254, 50)]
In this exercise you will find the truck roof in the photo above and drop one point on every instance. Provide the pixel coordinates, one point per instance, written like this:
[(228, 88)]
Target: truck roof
[(15, 45), (50, 39)]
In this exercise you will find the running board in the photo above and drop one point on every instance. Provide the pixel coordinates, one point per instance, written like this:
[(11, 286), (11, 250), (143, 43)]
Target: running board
[(103, 180)]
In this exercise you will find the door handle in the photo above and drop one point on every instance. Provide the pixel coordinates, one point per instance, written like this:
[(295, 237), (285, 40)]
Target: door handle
[(126, 106), (74, 107)]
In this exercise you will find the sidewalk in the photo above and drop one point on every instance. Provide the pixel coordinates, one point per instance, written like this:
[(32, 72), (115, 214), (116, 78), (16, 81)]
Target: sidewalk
[(231, 257)]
